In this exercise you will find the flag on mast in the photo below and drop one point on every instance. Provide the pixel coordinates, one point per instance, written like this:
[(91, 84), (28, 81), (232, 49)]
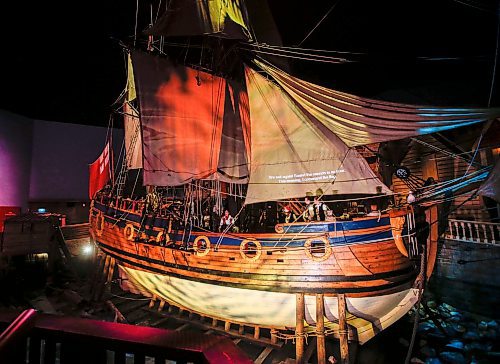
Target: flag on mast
[(99, 171)]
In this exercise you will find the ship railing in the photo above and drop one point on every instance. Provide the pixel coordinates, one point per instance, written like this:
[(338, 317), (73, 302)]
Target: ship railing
[(473, 231), (32, 337)]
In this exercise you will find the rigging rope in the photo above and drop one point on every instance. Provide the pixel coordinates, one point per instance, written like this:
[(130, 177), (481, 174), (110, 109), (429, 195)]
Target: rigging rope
[(496, 57), (136, 18), (321, 20)]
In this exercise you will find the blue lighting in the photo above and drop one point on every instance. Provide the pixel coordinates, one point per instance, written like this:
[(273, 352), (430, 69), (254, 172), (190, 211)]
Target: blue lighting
[(41, 210), (446, 127)]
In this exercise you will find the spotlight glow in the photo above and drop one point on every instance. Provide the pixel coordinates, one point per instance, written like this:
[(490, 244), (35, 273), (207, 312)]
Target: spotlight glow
[(87, 249)]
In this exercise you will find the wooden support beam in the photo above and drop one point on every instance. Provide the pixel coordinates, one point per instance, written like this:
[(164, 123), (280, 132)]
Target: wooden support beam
[(263, 355), (299, 328), (214, 322), (310, 349), (320, 328), (162, 304), (111, 270), (182, 327), (227, 326), (152, 302), (241, 329), (256, 334), (274, 337), (343, 333)]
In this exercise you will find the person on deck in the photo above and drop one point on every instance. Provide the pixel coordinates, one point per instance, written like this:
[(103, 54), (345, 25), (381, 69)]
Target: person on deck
[(320, 208), (289, 215), (226, 220), (309, 213)]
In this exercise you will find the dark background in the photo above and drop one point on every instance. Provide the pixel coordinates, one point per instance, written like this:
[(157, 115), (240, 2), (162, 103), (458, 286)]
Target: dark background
[(61, 61)]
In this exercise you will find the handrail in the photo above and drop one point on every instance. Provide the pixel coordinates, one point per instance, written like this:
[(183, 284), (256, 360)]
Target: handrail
[(79, 338), (473, 231), (16, 331), (476, 222)]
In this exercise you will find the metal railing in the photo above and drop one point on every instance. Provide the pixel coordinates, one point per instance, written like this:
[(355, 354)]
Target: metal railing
[(35, 337), (473, 231)]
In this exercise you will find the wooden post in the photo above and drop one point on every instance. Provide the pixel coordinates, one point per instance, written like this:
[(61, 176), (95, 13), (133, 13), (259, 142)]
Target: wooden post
[(152, 302), (111, 270), (320, 328), (299, 328), (274, 337), (256, 333), (162, 304), (344, 347)]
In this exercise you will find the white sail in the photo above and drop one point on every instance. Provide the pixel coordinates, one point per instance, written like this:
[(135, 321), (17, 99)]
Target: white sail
[(360, 121), (133, 138), (292, 155)]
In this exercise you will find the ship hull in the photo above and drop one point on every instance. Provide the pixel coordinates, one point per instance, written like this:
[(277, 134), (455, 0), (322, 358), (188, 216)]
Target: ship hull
[(227, 280), (368, 315)]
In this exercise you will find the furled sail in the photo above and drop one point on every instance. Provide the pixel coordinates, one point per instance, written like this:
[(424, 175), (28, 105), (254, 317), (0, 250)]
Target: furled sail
[(132, 123), (182, 115), (291, 155), (359, 121), (224, 18), (233, 163), (133, 139)]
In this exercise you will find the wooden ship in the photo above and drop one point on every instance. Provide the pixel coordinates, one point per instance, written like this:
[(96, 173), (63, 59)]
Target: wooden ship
[(256, 134)]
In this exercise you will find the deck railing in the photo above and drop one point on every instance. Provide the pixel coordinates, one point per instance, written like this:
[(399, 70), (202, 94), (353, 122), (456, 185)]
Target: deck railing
[(473, 231), (33, 338)]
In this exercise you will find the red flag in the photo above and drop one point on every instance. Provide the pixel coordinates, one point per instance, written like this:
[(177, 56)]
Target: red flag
[(99, 172)]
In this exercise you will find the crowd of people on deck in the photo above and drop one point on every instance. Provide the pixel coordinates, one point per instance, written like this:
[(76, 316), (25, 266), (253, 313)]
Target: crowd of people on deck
[(313, 209)]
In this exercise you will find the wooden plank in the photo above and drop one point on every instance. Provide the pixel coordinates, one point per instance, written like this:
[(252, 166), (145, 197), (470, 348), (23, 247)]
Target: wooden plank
[(310, 350), (263, 355), (182, 327), (159, 322), (207, 326)]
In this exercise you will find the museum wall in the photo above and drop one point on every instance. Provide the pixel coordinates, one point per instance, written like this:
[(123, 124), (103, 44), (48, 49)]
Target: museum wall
[(61, 155), (16, 134)]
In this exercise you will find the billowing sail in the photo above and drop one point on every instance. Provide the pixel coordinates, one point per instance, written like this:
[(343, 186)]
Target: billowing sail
[(361, 121), (181, 117), (224, 18), (191, 123), (292, 155)]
